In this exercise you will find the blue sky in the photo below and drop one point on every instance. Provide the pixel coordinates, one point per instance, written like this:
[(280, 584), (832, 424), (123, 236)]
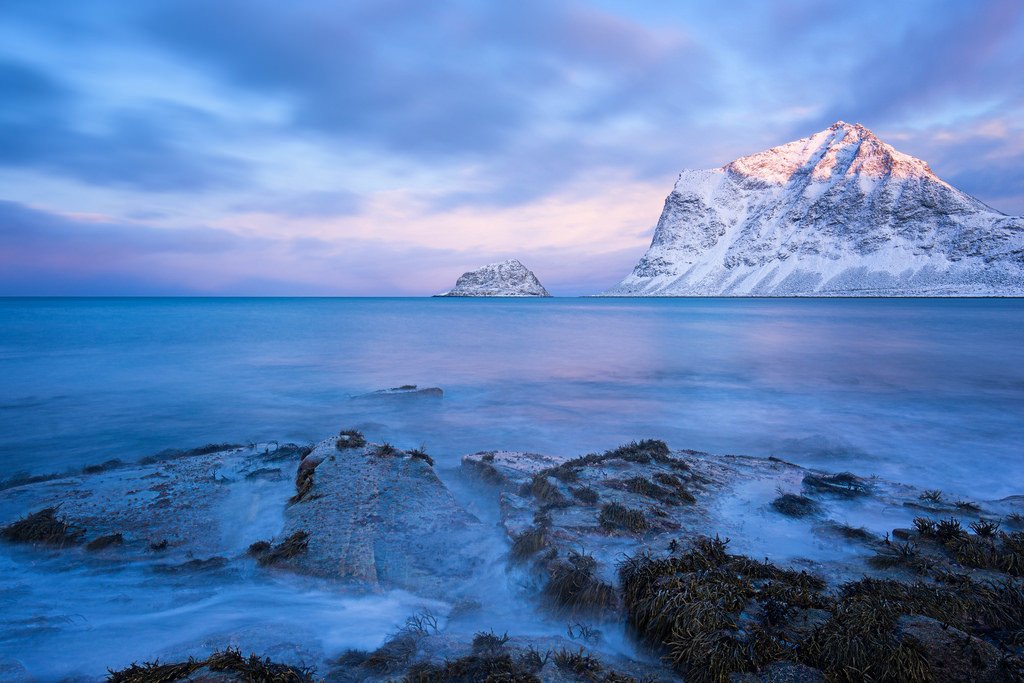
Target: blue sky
[(382, 148)]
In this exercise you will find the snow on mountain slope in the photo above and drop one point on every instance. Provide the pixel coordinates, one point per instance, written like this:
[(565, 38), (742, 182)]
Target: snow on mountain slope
[(839, 213), (508, 278)]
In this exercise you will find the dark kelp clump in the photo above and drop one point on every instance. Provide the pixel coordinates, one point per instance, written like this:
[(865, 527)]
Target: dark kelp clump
[(296, 544), (987, 548), (714, 614), (304, 480), (228, 663), (349, 438), (45, 527), (844, 484), (573, 590), (420, 454), (795, 505), (103, 542), (618, 517)]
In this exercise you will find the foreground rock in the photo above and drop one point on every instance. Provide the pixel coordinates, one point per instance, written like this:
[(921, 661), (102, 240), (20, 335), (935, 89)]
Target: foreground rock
[(174, 508), (380, 516), (642, 534), (508, 278), (719, 567)]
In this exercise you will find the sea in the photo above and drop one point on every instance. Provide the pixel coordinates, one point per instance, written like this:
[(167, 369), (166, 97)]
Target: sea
[(924, 391)]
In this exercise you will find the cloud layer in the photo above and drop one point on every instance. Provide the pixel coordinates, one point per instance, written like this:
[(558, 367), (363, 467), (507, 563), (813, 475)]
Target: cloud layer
[(257, 147)]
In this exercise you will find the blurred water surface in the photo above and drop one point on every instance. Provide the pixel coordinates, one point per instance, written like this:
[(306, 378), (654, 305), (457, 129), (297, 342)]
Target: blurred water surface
[(928, 391)]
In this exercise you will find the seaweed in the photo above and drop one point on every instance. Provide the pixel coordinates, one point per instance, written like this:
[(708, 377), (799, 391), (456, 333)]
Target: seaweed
[(385, 450), (303, 481), (484, 470), (394, 655), (294, 545), (859, 643), (925, 527), (677, 495), (948, 529), (420, 454), (258, 548), (483, 666), (422, 623), (698, 605), (349, 438), (584, 494), (101, 542), (485, 641), (641, 452), (578, 662), (546, 493), (584, 632), (43, 526), (529, 543), (573, 590), (931, 495), (618, 517), (795, 505), (985, 528), (854, 533), (843, 484), (252, 668), (288, 451), (905, 555), (564, 473)]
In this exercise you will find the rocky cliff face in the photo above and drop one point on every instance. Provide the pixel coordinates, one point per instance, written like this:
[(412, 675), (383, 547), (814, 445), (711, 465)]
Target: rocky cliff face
[(839, 213), (508, 278)]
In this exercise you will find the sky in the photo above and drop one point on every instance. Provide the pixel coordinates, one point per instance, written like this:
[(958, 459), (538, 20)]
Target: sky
[(382, 148)]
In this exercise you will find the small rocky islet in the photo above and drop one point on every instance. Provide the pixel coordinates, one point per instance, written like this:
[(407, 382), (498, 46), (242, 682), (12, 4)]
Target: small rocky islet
[(640, 540)]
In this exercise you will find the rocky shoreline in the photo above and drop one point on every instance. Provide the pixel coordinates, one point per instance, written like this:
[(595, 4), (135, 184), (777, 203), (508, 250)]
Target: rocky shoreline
[(652, 558)]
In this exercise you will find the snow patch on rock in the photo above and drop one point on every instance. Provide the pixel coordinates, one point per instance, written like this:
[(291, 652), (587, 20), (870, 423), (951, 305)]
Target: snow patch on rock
[(508, 278)]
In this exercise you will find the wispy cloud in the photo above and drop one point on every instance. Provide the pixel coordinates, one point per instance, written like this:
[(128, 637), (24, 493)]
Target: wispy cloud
[(384, 147)]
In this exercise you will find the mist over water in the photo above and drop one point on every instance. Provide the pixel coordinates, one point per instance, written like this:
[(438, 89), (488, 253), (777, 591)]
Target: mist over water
[(930, 392)]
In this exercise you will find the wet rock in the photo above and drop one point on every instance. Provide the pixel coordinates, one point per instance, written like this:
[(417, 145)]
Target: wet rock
[(953, 655), (184, 506), (408, 391), (781, 672), (380, 517), (105, 542)]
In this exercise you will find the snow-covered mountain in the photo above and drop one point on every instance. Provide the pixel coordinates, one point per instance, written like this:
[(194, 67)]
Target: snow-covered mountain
[(839, 213), (508, 278)]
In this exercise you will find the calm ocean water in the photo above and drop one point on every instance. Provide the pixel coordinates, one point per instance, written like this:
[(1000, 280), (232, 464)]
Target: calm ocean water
[(930, 391)]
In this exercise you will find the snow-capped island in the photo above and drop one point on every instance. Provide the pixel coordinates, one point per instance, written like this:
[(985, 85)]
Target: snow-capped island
[(508, 278), (839, 213)]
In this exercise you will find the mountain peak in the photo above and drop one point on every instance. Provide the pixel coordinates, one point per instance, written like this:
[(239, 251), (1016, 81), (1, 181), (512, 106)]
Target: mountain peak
[(842, 150), (837, 213)]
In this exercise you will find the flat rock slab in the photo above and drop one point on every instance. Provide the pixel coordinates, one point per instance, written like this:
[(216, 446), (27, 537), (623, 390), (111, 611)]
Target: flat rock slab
[(181, 507), (684, 494), (384, 520)]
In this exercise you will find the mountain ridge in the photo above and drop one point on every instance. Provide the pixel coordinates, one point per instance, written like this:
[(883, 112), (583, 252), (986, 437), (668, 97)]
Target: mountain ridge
[(837, 213)]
